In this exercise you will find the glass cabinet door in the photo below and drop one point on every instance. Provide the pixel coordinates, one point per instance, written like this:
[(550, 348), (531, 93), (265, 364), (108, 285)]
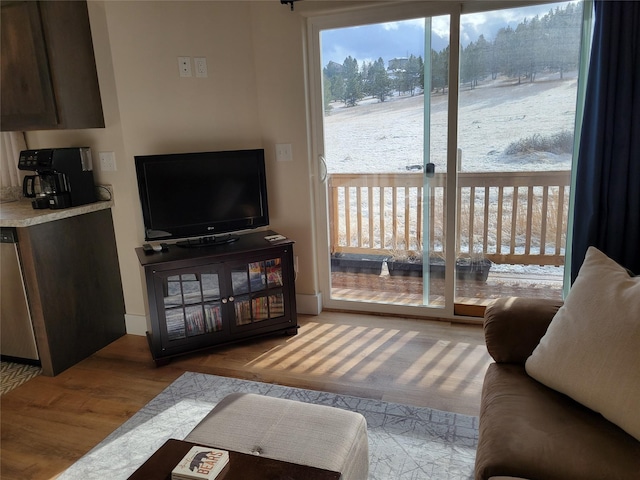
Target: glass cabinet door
[(192, 304), (257, 291)]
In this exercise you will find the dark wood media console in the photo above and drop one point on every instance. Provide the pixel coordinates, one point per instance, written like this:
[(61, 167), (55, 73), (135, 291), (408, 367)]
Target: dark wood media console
[(218, 294)]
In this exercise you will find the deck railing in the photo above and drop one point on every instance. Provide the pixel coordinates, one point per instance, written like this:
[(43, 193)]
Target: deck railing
[(507, 217)]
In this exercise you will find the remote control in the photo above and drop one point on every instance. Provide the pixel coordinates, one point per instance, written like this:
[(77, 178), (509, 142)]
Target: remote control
[(275, 238), (148, 249)]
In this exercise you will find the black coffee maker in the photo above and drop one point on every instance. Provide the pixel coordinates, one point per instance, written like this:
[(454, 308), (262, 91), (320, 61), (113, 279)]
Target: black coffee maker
[(64, 177)]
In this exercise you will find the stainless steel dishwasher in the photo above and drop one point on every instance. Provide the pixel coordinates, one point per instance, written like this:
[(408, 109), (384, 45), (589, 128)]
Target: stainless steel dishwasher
[(17, 339)]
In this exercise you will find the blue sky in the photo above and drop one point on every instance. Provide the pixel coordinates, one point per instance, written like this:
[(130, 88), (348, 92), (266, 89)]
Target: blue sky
[(401, 39)]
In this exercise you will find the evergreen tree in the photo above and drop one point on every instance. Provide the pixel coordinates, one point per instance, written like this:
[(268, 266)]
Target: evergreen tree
[(550, 43), (338, 88), (531, 48), (506, 52), (547, 44), (440, 69), (326, 92), (381, 85), (484, 51), (367, 79), (470, 64), (412, 74), (564, 33), (333, 73), (352, 82)]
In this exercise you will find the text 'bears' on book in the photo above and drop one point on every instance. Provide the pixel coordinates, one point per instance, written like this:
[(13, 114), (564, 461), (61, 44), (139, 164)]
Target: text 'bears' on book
[(200, 463)]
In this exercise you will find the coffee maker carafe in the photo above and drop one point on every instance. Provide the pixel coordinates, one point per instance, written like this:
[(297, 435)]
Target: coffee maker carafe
[(64, 177)]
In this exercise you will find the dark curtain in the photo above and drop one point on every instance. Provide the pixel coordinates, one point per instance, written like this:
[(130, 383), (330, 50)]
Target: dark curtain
[(607, 192)]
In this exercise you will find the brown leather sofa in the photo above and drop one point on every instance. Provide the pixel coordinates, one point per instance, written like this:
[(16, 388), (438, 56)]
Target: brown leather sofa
[(530, 431)]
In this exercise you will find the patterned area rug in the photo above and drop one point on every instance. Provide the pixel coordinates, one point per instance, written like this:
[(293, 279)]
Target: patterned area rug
[(13, 375), (405, 442)]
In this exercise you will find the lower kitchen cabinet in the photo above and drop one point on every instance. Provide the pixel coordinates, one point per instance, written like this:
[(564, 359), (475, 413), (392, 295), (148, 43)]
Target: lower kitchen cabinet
[(73, 284)]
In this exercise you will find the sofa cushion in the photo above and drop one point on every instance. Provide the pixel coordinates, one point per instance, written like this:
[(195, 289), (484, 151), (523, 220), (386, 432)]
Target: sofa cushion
[(513, 326), (591, 350), (528, 430)]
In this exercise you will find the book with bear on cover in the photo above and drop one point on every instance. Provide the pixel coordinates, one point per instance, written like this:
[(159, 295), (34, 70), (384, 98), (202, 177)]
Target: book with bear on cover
[(200, 463)]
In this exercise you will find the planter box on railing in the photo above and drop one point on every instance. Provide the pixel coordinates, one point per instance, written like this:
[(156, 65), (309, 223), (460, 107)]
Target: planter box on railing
[(477, 270), (466, 269), (405, 268), (357, 263)]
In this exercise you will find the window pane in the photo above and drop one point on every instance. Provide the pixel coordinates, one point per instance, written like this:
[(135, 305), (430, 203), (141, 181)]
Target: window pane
[(380, 129), (517, 106)]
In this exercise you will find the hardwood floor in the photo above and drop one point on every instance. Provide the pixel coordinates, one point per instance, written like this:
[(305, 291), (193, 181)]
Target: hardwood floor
[(50, 422)]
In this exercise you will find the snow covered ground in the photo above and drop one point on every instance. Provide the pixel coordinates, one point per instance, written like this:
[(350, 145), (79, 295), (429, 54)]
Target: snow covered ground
[(388, 136)]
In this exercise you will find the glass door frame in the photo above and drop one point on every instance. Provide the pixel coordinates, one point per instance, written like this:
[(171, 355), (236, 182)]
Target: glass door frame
[(355, 16)]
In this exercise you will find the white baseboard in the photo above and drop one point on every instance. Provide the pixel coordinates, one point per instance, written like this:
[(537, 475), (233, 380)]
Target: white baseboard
[(309, 304), (136, 324)]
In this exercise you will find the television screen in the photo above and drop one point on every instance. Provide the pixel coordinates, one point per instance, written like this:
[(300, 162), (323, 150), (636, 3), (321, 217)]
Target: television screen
[(202, 194)]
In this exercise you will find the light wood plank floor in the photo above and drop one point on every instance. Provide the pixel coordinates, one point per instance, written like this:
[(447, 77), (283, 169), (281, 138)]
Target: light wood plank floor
[(49, 422)]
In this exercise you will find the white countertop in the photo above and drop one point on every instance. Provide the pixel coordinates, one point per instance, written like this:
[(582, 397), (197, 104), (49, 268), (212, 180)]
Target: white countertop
[(20, 213)]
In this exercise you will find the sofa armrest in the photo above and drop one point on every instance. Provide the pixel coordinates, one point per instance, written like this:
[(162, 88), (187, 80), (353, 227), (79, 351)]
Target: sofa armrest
[(513, 326)]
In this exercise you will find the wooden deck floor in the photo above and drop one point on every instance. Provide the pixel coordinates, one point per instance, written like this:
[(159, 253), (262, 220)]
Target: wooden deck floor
[(408, 290)]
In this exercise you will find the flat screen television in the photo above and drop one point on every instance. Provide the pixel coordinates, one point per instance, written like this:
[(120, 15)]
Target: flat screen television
[(203, 194)]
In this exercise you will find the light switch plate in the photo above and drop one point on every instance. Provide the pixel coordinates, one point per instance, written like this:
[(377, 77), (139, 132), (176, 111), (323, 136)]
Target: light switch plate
[(107, 161), (284, 152)]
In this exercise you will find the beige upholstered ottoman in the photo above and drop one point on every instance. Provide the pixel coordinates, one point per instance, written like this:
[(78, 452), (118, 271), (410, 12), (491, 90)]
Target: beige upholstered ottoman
[(290, 431)]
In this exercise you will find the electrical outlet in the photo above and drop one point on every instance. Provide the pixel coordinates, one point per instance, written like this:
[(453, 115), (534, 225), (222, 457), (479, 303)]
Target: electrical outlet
[(184, 66), (201, 66), (107, 161)]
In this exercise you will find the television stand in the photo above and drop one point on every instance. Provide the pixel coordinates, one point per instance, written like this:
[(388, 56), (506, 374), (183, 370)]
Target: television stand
[(200, 298), (207, 241)]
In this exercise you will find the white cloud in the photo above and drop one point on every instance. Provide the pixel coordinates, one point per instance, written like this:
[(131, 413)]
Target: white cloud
[(414, 22), (440, 26), (488, 23), (402, 38)]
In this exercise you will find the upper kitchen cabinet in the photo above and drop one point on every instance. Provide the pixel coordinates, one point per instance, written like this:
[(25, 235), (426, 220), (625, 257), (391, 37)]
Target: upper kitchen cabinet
[(49, 79)]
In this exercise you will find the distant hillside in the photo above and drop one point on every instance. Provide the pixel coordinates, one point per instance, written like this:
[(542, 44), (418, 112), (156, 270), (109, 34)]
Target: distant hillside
[(379, 137)]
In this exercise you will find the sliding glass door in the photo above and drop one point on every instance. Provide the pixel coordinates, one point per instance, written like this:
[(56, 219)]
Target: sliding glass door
[(425, 190), (379, 165), (516, 119)]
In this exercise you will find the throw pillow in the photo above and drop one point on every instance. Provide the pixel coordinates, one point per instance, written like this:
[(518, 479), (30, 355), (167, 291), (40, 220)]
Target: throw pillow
[(591, 350)]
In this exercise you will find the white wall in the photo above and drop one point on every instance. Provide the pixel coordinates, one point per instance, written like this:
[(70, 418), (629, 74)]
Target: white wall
[(254, 97)]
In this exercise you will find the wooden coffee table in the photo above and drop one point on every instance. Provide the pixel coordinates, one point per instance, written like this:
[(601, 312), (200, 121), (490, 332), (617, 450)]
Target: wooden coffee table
[(241, 466)]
